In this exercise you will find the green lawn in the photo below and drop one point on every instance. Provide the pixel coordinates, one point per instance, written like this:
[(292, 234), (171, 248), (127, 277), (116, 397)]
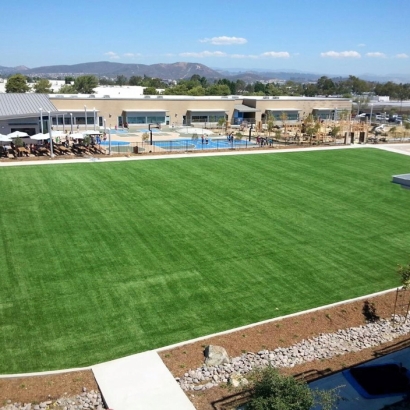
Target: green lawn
[(102, 260)]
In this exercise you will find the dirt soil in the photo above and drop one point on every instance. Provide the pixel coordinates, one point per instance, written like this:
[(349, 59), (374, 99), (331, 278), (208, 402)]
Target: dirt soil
[(281, 333), (42, 388)]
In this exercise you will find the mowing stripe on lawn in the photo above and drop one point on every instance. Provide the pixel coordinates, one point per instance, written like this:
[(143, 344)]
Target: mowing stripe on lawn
[(104, 260)]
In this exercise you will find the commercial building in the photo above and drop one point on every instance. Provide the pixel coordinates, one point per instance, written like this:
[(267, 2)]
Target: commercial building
[(25, 112), (195, 111)]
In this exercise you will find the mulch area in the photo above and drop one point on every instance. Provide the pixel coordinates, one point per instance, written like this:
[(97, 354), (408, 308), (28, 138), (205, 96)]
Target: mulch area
[(42, 388)]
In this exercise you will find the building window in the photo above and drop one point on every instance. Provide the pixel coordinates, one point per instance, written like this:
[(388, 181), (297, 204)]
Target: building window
[(146, 120), (291, 115)]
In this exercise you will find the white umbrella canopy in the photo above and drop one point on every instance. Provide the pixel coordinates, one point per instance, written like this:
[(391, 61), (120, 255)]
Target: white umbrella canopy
[(17, 134), (58, 134), (88, 132), (77, 136), (4, 138), (39, 137)]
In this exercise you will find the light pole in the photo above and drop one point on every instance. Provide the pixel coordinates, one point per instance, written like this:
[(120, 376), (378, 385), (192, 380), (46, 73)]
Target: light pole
[(51, 135), (63, 122), (41, 120), (94, 117), (85, 114), (371, 113), (71, 121)]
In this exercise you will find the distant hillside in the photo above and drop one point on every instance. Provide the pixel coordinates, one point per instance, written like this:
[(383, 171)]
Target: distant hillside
[(173, 71), (180, 70)]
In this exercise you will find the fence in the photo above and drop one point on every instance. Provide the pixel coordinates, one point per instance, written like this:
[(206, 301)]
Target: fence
[(208, 145)]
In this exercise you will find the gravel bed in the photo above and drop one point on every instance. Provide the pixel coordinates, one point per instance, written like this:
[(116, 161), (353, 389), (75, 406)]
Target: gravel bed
[(323, 347), (91, 400)]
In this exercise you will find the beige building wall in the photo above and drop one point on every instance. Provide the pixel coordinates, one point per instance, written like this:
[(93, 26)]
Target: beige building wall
[(178, 107)]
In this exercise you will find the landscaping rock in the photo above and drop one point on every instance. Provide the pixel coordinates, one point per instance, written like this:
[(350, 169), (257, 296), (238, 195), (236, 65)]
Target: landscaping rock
[(215, 355)]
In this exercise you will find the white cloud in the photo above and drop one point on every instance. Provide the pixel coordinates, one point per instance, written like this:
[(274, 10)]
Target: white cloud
[(376, 54), (203, 54), (276, 54), (243, 56), (129, 55), (112, 55), (361, 45), (401, 55), (341, 54), (224, 40)]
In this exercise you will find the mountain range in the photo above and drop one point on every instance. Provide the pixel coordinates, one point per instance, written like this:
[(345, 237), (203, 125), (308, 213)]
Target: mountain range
[(176, 71)]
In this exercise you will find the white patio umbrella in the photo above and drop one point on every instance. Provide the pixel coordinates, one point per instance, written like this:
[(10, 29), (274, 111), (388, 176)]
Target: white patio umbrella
[(58, 134), (87, 132), (17, 134), (40, 136), (4, 138), (77, 136)]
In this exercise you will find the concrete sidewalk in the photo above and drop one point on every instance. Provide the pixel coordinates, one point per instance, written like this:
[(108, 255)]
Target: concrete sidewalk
[(141, 381)]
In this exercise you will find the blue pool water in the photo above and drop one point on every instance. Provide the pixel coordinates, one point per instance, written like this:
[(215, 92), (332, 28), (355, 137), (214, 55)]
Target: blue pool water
[(146, 130), (118, 132), (115, 143), (198, 144)]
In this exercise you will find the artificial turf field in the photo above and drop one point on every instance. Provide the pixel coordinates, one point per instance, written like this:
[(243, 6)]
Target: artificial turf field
[(102, 260)]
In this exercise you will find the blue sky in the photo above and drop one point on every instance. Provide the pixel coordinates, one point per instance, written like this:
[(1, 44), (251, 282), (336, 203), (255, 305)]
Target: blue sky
[(319, 36)]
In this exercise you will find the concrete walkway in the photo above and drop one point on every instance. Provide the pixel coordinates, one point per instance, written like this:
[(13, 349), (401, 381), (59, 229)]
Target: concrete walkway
[(141, 381), (70, 160)]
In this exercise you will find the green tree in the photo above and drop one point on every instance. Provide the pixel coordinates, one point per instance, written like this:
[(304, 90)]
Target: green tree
[(69, 80), (85, 84), (270, 123), (222, 122), (325, 85), (334, 132), (43, 86), (135, 80), (67, 89), (121, 80), (18, 142), (218, 89), (150, 91), (404, 273), (272, 391), (17, 83), (199, 90)]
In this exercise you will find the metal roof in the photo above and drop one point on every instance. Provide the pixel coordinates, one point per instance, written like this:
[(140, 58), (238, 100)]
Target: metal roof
[(24, 105), (245, 108)]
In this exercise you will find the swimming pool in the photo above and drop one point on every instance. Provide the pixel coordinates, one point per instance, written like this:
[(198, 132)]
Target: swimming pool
[(114, 131), (114, 143), (190, 144), (154, 130)]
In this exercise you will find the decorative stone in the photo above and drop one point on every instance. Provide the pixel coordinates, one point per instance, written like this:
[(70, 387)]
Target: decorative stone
[(215, 355)]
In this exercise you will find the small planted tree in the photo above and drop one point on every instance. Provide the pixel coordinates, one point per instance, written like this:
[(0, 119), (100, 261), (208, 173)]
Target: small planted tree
[(404, 273), (194, 136), (272, 391), (222, 122), (18, 142), (238, 136), (145, 137)]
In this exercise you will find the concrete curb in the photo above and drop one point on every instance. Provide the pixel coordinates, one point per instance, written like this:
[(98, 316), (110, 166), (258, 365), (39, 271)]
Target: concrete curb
[(226, 332)]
